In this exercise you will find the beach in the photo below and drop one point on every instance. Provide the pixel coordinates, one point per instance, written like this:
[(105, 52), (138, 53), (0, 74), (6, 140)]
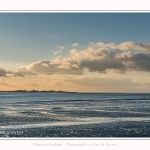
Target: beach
[(74, 115)]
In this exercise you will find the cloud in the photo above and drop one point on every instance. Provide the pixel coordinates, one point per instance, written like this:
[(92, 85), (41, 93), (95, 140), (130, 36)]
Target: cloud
[(2, 72), (124, 46), (16, 74), (127, 56), (57, 66), (98, 60), (136, 61), (61, 48), (97, 57), (74, 44)]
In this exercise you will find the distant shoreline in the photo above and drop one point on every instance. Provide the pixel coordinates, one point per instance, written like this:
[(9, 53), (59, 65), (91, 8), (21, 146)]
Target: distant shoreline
[(36, 91), (59, 91)]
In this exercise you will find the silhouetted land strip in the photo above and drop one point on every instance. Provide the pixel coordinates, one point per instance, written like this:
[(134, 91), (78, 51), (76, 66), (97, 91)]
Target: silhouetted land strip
[(53, 91), (36, 91)]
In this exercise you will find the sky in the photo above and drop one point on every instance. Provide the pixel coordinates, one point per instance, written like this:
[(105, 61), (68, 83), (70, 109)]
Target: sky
[(82, 52)]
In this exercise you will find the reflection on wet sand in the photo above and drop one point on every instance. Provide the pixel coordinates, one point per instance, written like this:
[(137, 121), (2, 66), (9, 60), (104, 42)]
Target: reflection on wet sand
[(76, 118)]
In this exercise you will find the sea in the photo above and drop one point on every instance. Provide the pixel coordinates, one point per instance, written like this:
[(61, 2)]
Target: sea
[(55, 115)]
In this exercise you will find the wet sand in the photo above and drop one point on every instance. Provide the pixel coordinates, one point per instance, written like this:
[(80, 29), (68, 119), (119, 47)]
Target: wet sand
[(105, 118), (117, 129)]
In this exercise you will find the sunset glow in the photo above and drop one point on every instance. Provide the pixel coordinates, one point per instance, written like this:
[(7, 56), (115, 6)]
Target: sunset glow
[(82, 52)]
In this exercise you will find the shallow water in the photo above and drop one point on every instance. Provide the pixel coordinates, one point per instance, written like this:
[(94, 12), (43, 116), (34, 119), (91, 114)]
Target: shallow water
[(74, 115)]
